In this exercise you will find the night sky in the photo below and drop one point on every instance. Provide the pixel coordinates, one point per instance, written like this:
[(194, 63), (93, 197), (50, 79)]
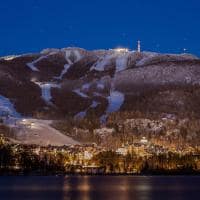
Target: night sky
[(161, 25)]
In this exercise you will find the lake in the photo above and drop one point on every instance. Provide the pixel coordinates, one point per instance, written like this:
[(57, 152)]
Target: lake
[(100, 187)]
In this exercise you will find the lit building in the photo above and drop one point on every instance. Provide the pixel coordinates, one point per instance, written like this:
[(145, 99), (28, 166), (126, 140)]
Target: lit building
[(122, 151), (121, 50), (143, 140), (87, 155)]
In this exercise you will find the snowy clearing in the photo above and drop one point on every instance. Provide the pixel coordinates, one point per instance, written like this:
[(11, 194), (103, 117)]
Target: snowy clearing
[(7, 108), (147, 57), (86, 86), (100, 86), (46, 90), (83, 114), (103, 62), (121, 62), (94, 104), (63, 72), (32, 66), (115, 101), (72, 53), (33, 131), (78, 91), (80, 115)]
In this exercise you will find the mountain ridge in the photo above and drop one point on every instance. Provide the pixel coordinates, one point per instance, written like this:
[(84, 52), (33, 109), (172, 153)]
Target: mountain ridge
[(54, 77)]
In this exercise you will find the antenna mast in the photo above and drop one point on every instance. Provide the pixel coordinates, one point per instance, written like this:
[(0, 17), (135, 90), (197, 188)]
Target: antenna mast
[(139, 46)]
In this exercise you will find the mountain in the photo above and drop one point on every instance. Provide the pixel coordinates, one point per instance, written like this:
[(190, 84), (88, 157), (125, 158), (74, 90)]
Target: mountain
[(76, 83)]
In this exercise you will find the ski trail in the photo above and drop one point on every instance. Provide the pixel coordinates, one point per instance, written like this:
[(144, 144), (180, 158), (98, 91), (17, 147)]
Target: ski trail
[(32, 66)]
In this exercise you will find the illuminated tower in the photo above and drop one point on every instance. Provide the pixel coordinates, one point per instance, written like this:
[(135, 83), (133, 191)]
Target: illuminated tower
[(139, 46)]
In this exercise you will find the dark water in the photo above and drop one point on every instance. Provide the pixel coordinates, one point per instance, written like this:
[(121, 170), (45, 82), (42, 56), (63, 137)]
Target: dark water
[(100, 187)]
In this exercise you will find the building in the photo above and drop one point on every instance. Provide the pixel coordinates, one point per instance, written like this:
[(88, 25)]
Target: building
[(122, 151), (144, 141)]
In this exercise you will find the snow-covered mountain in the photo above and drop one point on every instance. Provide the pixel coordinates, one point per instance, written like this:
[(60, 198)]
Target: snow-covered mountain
[(74, 82)]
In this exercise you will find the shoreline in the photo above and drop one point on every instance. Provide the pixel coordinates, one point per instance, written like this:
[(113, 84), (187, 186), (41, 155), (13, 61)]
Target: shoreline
[(62, 174)]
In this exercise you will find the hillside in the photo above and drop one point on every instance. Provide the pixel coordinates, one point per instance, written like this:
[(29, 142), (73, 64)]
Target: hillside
[(57, 84), (71, 81)]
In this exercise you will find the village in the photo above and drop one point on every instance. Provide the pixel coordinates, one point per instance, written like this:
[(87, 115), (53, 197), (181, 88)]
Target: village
[(93, 159)]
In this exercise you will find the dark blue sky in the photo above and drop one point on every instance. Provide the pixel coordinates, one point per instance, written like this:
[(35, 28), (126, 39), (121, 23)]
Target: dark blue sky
[(161, 25)]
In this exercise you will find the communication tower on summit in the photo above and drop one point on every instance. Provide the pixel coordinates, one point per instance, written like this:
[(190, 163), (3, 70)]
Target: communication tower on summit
[(139, 46)]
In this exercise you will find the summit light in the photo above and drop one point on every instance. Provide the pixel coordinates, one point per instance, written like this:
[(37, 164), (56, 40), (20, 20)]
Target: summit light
[(121, 50)]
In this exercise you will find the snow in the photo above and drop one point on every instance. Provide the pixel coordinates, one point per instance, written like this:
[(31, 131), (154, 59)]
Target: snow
[(81, 114), (46, 90), (72, 52), (50, 51), (10, 57), (40, 132), (100, 86), (68, 53), (86, 86), (32, 66), (77, 91), (147, 57), (103, 62), (94, 104), (97, 94), (64, 71), (67, 57), (121, 62), (115, 101), (119, 56), (7, 108), (78, 55)]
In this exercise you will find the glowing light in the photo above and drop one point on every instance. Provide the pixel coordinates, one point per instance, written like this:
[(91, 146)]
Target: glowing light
[(121, 50), (87, 155), (32, 125), (144, 140), (122, 151), (23, 122), (10, 57)]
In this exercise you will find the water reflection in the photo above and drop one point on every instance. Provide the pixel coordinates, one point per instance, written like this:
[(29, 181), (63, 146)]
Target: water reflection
[(143, 189), (66, 188), (85, 188), (99, 187), (125, 188)]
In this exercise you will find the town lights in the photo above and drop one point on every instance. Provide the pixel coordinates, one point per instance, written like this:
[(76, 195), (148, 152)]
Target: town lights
[(32, 125), (24, 120)]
